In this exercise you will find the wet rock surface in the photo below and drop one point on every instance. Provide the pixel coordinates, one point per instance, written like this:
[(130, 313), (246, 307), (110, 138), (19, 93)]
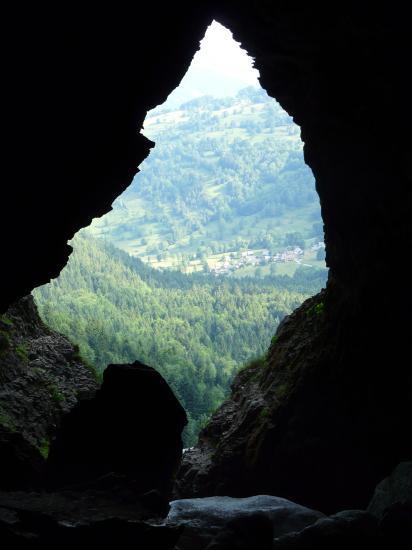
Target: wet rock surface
[(396, 489), (204, 518)]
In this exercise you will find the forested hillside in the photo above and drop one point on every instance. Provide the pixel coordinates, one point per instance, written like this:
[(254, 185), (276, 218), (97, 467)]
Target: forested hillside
[(226, 174), (197, 330)]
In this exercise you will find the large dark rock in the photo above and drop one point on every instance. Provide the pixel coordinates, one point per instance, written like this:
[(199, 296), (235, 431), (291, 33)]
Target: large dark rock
[(42, 377), (132, 426), (204, 519)]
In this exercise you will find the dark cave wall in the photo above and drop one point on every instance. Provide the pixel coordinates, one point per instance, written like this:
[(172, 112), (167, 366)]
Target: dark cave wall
[(78, 90)]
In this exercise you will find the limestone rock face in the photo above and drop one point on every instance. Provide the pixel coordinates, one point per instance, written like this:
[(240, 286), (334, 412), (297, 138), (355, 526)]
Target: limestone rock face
[(41, 378), (132, 426)]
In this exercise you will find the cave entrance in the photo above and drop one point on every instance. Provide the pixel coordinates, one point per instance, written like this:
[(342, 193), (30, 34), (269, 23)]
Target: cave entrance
[(217, 238)]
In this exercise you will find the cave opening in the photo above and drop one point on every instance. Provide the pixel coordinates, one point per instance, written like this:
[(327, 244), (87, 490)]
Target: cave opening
[(329, 417), (218, 237)]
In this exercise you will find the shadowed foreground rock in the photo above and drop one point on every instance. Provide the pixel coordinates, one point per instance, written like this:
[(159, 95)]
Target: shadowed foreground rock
[(132, 426)]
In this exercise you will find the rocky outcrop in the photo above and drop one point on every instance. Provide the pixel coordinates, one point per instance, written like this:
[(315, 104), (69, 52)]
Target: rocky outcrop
[(42, 377), (132, 426), (310, 425)]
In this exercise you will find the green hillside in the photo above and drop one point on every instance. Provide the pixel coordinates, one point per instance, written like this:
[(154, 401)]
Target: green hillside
[(225, 175), (197, 330)]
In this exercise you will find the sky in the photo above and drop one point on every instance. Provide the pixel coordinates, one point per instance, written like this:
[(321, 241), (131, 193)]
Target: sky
[(221, 53), (220, 68)]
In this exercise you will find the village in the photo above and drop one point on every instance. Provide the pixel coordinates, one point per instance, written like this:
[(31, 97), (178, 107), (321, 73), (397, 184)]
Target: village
[(254, 258)]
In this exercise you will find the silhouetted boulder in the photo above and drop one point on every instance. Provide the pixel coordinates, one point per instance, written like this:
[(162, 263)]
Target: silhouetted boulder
[(132, 426)]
